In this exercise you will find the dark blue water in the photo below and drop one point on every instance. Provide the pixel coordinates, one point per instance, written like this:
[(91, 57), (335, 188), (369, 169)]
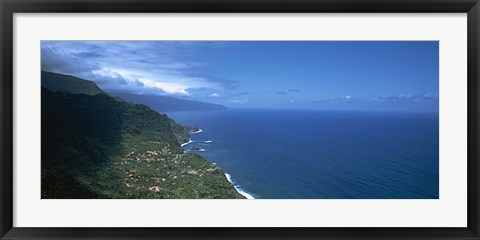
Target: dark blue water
[(295, 154)]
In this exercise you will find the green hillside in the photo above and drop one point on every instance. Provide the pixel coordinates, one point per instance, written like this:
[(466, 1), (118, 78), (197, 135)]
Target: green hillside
[(94, 146), (65, 83)]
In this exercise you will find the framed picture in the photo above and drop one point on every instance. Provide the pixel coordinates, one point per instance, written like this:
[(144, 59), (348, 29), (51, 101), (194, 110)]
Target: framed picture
[(249, 120)]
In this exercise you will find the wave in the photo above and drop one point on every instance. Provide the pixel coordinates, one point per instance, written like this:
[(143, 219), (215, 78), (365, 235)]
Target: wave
[(197, 150), (209, 141), (198, 131), (238, 188), (189, 141)]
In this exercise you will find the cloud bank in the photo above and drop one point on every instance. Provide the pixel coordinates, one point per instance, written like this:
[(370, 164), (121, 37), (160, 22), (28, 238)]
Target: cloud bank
[(139, 67), (402, 98)]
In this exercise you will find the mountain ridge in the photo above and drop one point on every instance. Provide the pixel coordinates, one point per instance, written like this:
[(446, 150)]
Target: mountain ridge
[(169, 104), (57, 82)]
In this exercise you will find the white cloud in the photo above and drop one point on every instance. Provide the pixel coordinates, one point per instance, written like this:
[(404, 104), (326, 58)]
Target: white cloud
[(155, 67), (245, 100), (215, 95), (401, 98), (169, 88)]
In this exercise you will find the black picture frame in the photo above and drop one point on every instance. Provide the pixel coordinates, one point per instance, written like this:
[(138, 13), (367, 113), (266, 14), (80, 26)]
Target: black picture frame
[(9, 7)]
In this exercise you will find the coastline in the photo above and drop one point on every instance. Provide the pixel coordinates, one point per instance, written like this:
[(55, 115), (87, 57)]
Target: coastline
[(237, 187), (198, 131), (190, 139), (228, 176)]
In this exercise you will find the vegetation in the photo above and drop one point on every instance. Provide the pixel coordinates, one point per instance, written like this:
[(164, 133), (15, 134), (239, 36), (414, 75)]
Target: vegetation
[(66, 83), (181, 132), (94, 146)]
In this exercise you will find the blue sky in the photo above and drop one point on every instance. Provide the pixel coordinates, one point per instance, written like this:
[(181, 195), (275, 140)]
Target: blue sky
[(359, 75)]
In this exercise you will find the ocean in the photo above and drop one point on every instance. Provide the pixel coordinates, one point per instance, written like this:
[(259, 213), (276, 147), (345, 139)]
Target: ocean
[(319, 154)]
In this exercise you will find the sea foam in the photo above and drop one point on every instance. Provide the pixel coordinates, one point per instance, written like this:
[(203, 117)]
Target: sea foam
[(237, 187), (189, 141), (198, 131)]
